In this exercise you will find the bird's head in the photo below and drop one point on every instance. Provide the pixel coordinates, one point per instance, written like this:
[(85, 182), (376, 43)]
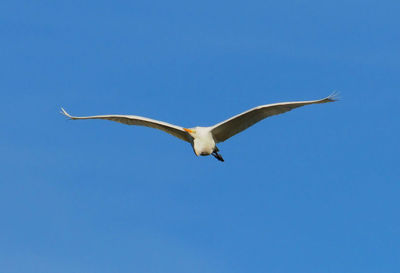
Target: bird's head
[(191, 131)]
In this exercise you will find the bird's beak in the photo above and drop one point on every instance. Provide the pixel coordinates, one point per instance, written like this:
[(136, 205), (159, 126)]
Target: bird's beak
[(188, 130)]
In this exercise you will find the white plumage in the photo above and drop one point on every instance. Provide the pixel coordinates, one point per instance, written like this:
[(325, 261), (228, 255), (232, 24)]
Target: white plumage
[(204, 139)]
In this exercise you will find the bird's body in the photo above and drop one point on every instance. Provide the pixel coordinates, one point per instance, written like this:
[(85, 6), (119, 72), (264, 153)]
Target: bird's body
[(204, 139)]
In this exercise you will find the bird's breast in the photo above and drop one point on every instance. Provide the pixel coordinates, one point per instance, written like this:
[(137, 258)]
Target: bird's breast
[(203, 146)]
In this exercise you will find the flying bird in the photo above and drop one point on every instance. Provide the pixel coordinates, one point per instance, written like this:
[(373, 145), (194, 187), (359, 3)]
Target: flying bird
[(204, 139)]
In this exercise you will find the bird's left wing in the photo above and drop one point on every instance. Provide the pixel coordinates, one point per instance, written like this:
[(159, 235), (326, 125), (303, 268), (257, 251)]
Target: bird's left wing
[(141, 121), (230, 127)]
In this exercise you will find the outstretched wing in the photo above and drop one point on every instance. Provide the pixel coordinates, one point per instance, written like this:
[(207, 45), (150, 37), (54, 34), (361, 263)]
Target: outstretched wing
[(141, 121), (230, 127)]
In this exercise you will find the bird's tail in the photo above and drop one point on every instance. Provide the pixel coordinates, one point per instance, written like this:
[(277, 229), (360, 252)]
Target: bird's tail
[(218, 156)]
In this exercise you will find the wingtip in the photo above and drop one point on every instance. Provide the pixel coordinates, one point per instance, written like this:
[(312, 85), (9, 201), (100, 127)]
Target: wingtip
[(63, 112), (335, 96)]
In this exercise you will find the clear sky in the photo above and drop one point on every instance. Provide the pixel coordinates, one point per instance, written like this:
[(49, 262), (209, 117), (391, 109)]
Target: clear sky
[(313, 190)]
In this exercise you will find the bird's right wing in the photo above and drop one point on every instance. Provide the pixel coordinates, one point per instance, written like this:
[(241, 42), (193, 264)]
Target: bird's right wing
[(141, 121), (230, 127)]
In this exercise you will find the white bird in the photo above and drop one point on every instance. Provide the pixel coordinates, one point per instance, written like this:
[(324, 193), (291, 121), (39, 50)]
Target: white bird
[(204, 139)]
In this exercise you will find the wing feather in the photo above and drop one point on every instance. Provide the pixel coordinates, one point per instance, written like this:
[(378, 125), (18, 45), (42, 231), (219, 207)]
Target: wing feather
[(174, 130), (236, 124)]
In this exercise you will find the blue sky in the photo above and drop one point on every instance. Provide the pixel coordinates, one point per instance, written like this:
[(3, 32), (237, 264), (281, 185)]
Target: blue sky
[(313, 190)]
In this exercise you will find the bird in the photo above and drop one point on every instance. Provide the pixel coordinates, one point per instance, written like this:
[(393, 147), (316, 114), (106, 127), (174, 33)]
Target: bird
[(204, 139)]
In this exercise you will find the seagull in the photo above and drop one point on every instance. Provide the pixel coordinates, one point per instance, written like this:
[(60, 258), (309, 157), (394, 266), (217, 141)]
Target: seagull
[(204, 139)]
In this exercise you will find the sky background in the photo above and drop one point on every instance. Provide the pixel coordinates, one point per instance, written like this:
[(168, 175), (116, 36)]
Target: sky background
[(313, 190)]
